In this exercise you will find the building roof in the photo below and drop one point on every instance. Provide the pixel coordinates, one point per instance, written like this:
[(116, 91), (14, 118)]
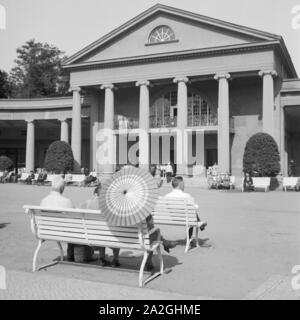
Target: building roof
[(159, 8)]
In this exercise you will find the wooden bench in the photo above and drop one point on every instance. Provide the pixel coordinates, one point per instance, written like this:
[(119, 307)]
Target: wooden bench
[(77, 179), (34, 181), (290, 182), (232, 182), (23, 177), (88, 227), (49, 178), (177, 212), (262, 182)]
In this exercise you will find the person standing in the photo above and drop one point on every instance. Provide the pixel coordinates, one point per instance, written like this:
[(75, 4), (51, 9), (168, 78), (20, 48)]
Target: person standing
[(291, 169), (169, 172)]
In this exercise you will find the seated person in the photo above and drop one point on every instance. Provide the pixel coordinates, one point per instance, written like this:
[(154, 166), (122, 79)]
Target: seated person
[(155, 235), (92, 177), (68, 177), (225, 180), (56, 200), (248, 182), (30, 177), (42, 177), (93, 204), (4, 176), (178, 192)]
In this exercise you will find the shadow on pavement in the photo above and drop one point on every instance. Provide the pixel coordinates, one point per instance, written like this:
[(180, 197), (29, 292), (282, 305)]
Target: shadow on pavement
[(3, 225)]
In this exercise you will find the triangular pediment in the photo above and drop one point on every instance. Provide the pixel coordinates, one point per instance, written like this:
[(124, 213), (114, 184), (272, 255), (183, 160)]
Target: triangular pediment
[(191, 32)]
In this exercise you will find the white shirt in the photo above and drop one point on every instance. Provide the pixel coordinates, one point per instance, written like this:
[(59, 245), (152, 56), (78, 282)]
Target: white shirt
[(178, 193), (93, 174), (169, 168), (56, 200)]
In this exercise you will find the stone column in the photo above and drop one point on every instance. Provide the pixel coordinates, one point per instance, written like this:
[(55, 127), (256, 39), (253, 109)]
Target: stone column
[(283, 162), (64, 130), (182, 106), (223, 123), (109, 106), (268, 101), (76, 129), (94, 126), (30, 146), (144, 124)]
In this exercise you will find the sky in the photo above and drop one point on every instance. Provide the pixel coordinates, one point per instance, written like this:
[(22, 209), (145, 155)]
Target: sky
[(71, 25)]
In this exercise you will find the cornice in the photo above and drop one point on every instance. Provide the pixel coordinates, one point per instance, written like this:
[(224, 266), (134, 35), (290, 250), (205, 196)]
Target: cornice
[(173, 56)]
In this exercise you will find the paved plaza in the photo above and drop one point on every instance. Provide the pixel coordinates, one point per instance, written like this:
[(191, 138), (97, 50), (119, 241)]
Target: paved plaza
[(249, 248)]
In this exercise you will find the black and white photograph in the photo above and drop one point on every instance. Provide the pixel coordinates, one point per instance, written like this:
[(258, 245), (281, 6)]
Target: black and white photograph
[(149, 150)]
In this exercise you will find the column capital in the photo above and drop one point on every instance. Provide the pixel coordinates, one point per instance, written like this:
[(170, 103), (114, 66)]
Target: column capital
[(272, 73), (76, 89), (142, 83), (29, 120), (107, 86), (181, 79), (219, 76)]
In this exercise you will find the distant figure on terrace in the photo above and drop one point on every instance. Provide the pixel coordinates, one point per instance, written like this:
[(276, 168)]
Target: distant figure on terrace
[(169, 172), (158, 176), (248, 182), (29, 179), (56, 200), (42, 177), (178, 192), (291, 169)]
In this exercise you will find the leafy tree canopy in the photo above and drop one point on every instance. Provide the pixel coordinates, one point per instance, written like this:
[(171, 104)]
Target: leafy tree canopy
[(5, 163), (4, 85), (261, 156), (38, 71), (59, 157)]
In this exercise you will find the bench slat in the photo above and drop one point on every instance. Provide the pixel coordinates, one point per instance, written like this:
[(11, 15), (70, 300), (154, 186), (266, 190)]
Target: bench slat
[(92, 224), (44, 228), (172, 217)]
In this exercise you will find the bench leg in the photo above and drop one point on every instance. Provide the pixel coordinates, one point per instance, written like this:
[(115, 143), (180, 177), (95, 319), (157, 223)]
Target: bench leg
[(35, 255), (188, 240), (61, 251), (197, 237), (161, 261), (141, 275)]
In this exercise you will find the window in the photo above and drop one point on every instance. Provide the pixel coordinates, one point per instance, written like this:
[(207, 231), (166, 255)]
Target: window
[(199, 112), (161, 34), (163, 112)]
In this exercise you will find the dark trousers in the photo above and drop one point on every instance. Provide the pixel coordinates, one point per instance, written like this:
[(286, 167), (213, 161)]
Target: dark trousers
[(169, 176)]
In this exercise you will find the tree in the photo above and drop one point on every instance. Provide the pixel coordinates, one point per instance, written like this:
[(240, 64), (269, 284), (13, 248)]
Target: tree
[(262, 155), (38, 71), (4, 85), (59, 157), (5, 163)]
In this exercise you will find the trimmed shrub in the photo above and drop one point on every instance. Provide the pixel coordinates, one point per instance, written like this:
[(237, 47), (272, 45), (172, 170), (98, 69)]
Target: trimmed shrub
[(261, 156), (59, 157), (5, 163)]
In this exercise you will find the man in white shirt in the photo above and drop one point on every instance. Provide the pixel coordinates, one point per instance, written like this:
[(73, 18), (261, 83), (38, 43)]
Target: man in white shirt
[(178, 192), (169, 172), (56, 200)]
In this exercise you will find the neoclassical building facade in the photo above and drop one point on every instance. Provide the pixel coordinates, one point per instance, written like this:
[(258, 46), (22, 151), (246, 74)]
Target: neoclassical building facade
[(168, 85)]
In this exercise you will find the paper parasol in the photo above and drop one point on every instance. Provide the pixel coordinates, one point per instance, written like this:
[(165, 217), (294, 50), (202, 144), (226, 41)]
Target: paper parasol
[(128, 197)]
